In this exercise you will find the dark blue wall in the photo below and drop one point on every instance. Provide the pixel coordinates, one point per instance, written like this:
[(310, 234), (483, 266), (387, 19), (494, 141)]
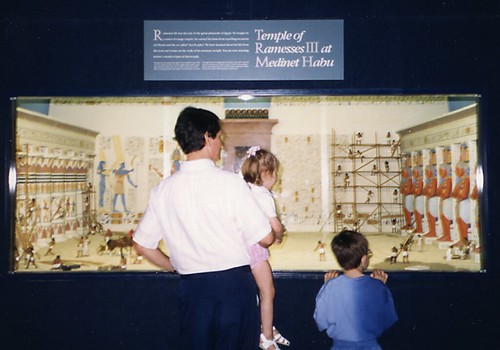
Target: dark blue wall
[(94, 48)]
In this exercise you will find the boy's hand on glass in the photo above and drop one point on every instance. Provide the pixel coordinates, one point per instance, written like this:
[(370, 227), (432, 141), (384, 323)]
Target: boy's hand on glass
[(379, 275), (330, 275)]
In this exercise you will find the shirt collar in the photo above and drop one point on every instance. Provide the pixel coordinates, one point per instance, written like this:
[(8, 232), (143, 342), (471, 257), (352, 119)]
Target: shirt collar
[(197, 165)]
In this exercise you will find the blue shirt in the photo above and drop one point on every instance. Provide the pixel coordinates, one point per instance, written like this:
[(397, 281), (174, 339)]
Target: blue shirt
[(354, 309)]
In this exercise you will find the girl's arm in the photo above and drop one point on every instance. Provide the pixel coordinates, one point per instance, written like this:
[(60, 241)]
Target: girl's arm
[(277, 229)]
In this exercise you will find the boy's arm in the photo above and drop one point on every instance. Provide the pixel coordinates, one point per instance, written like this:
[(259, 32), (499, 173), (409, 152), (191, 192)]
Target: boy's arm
[(330, 275), (379, 275), (323, 310)]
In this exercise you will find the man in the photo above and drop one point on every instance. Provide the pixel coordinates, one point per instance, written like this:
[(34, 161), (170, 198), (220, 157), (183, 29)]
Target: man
[(207, 218)]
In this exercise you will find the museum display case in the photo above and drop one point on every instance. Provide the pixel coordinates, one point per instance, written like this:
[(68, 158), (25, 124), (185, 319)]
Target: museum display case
[(85, 168)]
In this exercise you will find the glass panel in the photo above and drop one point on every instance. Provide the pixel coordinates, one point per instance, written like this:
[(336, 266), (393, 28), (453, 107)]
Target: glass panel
[(403, 170)]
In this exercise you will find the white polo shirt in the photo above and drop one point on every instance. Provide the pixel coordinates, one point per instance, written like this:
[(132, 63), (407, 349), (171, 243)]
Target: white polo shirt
[(206, 216)]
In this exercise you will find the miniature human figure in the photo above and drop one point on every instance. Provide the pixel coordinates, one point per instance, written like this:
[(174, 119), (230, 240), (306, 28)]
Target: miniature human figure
[(214, 220), (394, 147), (388, 137), (57, 263), (444, 193), (449, 253), (420, 246), (461, 194), (86, 209), (356, 225), (395, 196), (138, 259), (52, 243), (406, 190), (90, 188), (431, 199), (405, 254), (85, 248), (30, 257), (346, 180), (259, 170), (31, 209), (359, 138), (352, 307), (394, 255), (339, 169), (418, 186), (386, 165), (394, 222), (338, 211), (360, 155), (466, 251), (119, 186), (369, 196), (320, 247), (79, 248), (102, 172), (374, 169), (93, 228), (16, 258), (123, 263)]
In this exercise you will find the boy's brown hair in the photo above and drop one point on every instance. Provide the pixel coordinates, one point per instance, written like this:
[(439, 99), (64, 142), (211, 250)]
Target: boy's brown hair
[(349, 247)]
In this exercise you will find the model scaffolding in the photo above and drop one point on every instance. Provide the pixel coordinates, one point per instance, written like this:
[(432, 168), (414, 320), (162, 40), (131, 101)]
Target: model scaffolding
[(366, 180)]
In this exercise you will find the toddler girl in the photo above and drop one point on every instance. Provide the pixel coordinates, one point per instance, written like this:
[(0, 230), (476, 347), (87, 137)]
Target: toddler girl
[(259, 170)]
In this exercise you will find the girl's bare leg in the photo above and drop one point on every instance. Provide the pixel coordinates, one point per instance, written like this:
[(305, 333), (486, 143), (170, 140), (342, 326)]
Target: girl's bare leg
[(264, 278)]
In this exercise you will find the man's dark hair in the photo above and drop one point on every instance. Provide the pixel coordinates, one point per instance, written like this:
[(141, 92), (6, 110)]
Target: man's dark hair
[(191, 126), (349, 247)]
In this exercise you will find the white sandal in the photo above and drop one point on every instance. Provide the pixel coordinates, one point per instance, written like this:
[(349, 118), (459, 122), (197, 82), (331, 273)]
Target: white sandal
[(278, 338), (265, 343)]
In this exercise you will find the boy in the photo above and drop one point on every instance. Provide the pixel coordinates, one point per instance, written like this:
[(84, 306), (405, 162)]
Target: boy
[(353, 308)]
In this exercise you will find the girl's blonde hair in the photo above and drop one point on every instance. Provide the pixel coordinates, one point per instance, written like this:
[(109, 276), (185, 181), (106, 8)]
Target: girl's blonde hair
[(258, 162)]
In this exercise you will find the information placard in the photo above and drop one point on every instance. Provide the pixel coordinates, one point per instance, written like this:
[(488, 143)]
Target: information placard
[(244, 50)]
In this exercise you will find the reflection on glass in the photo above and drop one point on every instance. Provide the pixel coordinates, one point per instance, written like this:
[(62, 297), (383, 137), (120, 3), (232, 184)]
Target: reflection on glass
[(403, 170)]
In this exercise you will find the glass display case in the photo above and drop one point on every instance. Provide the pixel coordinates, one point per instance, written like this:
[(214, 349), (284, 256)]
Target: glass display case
[(404, 170)]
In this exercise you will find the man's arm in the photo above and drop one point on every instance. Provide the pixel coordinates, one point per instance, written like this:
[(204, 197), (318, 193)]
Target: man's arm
[(267, 240), (154, 256), (277, 229)]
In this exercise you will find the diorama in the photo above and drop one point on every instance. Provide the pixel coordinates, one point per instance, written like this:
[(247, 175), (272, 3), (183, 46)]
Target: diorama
[(404, 170)]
